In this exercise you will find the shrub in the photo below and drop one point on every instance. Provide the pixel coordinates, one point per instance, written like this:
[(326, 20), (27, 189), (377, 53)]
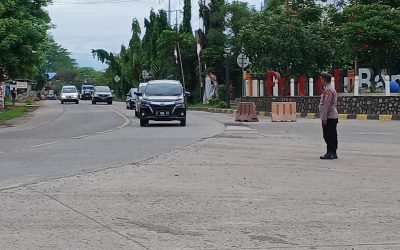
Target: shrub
[(213, 101), (222, 105)]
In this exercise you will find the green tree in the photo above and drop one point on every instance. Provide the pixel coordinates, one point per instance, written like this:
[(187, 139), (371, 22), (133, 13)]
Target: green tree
[(237, 15), (154, 27), (288, 42), (212, 55), (371, 33), (114, 68), (23, 27), (56, 58), (187, 16)]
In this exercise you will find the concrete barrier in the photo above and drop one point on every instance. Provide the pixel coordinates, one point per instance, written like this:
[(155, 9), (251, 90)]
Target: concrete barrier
[(246, 112), (283, 112)]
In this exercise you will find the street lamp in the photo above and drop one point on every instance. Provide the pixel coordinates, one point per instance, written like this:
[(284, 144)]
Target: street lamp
[(227, 51)]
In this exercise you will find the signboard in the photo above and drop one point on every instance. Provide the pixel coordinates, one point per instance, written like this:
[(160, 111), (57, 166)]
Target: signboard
[(22, 85), (242, 60), (117, 78)]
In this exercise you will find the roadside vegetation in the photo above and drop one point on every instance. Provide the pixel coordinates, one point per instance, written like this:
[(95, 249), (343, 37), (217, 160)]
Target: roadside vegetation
[(293, 38), (10, 113)]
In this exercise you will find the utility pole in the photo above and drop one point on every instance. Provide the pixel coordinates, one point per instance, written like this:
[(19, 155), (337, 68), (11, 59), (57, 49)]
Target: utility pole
[(169, 12), (176, 17)]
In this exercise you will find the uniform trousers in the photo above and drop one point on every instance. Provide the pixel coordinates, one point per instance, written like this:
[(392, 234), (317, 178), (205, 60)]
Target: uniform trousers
[(330, 135)]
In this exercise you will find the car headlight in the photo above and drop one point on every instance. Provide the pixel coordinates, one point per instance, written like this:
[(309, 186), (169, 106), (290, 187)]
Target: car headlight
[(180, 104), (63, 96)]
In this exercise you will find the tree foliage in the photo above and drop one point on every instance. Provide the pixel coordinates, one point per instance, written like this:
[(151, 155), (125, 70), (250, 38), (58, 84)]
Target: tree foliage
[(23, 27), (186, 26), (291, 42), (371, 32)]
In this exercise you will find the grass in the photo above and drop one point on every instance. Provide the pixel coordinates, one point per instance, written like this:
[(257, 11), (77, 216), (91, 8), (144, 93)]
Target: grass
[(201, 105), (12, 113), (198, 105)]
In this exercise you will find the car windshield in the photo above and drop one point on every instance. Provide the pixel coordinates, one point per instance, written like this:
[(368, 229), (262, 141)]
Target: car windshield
[(102, 89), (87, 87), (163, 89), (142, 88), (69, 90)]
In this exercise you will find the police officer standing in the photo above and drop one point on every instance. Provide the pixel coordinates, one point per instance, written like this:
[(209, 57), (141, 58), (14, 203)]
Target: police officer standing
[(329, 117)]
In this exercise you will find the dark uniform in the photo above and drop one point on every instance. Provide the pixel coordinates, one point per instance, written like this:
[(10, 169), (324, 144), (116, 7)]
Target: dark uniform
[(328, 111)]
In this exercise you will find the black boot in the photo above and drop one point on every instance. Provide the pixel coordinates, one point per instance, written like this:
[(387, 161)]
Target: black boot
[(327, 156)]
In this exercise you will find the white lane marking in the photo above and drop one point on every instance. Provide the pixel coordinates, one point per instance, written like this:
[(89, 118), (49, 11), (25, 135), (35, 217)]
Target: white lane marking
[(238, 128), (42, 145), (104, 132), (374, 134), (127, 121), (80, 137)]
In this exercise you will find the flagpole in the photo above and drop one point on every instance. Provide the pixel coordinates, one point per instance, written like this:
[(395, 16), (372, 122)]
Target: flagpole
[(180, 59)]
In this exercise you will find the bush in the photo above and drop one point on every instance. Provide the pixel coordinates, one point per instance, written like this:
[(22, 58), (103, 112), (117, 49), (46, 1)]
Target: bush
[(222, 105), (221, 92), (213, 101)]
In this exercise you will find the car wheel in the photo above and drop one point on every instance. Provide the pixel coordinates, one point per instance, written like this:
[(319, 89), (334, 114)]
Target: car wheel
[(183, 122), (127, 107), (77, 102), (109, 103), (62, 102), (143, 122), (136, 113), (93, 102)]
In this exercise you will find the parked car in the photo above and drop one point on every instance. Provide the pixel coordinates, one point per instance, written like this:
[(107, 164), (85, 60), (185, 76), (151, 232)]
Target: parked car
[(163, 100), (131, 98), (51, 97), (141, 88), (102, 94), (69, 94), (86, 91)]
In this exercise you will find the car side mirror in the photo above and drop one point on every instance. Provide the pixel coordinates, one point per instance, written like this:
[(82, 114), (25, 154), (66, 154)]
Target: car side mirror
[(139, 94), (187, 93)]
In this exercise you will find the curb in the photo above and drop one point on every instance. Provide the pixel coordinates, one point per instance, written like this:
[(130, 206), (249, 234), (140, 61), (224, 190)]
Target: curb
[(359, 117)]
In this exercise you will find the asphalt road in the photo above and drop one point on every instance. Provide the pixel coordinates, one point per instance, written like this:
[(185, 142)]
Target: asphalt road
[(62, 140)]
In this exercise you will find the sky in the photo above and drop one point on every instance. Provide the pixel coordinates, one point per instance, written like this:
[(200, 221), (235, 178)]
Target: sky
[(83, 25)]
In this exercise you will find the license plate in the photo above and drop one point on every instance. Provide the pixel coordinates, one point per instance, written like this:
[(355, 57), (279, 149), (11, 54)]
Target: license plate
[(163, 113)]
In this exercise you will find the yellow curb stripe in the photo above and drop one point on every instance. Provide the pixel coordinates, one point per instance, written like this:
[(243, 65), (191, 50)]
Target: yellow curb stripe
[(342, 116), (361, 117), (385, 117), (311, 115)]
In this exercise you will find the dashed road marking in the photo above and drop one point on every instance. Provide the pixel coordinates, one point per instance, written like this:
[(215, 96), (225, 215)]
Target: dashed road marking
[(80, 137), (104, 132), (42, 145)]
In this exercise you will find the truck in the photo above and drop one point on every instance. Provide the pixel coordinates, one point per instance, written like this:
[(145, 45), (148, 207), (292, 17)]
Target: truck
[(86, 91)]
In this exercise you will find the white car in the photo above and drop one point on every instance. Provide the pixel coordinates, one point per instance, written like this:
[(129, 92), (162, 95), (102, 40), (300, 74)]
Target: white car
[(69, 94)]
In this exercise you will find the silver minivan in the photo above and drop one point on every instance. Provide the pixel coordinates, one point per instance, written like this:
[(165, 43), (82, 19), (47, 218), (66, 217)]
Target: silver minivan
[(69, 94)]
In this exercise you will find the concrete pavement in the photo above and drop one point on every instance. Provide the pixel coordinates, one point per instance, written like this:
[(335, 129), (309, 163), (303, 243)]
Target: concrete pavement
[(241, 189)]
